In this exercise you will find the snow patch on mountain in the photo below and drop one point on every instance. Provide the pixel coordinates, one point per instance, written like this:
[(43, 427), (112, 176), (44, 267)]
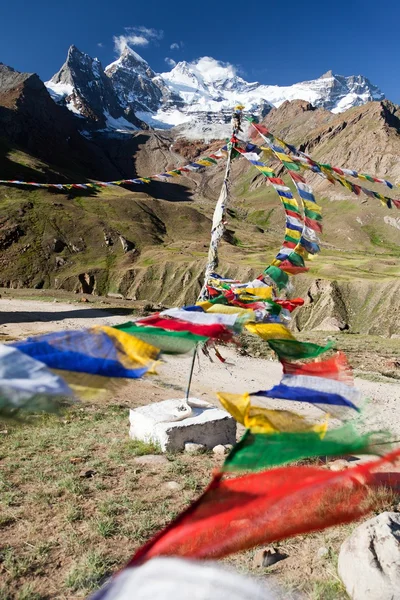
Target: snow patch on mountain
[(197, 97), (59, 90)]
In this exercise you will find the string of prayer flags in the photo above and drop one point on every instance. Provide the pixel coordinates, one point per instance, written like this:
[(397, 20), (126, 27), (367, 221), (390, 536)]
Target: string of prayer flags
[(308, 239), (197, 166), (325, 170), (259, 451), (294, 218), (235, 514)]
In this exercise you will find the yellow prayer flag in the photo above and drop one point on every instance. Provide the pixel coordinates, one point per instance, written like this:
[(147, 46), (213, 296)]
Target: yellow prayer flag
[(293, 234), (261, 292), (270, 331), (292, 202), (266, 420), (204, 304), (236, 404), (130, 349), (312, 206)]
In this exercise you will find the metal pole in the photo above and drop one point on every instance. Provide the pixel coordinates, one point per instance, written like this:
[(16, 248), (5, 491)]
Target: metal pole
[(191, 374)]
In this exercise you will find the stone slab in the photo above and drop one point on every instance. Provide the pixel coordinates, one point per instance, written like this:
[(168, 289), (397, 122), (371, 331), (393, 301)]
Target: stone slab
[(210, 427)]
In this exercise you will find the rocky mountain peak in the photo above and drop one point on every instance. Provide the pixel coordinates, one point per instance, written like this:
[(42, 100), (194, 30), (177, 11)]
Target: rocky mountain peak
[(327, 75), (131, 61), (197, 96), (82, 85), (135, 83)]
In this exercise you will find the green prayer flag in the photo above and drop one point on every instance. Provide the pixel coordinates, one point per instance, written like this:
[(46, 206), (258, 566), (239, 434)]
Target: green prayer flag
[(170, 342), (296, 259), (280, 277), (315, 216), (218, 300), (258, 451), (291, 166), (290, 207), (288, 238), (293, 349)]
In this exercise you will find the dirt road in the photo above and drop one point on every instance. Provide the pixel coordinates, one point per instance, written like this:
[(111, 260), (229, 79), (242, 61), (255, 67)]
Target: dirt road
[(22, 318)]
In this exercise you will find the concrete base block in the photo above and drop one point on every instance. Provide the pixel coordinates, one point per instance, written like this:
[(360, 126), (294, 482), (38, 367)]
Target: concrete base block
[(209, 427)]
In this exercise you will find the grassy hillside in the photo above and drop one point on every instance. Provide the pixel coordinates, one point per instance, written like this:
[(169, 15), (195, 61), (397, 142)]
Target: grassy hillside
[(151, 242)]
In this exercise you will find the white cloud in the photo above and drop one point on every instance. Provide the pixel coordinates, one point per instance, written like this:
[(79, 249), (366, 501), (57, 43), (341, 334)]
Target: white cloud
[(136, 36), (137, 40), (100, 45), (213, 70), (174, 46), (170, 62)]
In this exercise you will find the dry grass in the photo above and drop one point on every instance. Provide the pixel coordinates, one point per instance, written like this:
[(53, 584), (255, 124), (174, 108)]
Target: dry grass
[(63, 533)]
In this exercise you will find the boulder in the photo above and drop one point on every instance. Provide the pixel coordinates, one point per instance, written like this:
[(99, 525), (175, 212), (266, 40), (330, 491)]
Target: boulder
[(369, 560)]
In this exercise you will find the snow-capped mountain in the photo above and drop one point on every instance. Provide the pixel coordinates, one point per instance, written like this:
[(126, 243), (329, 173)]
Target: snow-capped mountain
[(197, 97), (82, 85)]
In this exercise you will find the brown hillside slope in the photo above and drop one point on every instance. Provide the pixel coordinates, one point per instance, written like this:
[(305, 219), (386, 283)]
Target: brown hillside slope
[(76, 242)]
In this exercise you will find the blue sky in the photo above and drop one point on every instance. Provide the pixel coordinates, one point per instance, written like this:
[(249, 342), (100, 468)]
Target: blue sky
[(276, 43)]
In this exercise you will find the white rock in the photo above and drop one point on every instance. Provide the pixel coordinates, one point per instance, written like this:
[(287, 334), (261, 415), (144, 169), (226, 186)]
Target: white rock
[(369, 560), (219, 450), (206, 426), (191, 448)]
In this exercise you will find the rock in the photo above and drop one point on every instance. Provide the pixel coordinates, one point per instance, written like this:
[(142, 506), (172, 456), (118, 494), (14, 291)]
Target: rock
[(60, 261), (369, 560), (84, 300), (151, 459), (339, 465), (266, 557), (87, 473), (172, 486), (192, 448), (157, 422), (228, 447), (322, 552), (127, 246), (219, 450)]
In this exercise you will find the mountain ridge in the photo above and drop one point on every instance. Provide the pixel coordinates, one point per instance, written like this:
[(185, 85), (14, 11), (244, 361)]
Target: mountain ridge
[(197, 97)]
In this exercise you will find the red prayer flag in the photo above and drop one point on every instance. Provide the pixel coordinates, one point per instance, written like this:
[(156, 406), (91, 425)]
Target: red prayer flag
[(336, 367), (315, 225), (239, 513), (297, 177), (290, 304), (216, 332)]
